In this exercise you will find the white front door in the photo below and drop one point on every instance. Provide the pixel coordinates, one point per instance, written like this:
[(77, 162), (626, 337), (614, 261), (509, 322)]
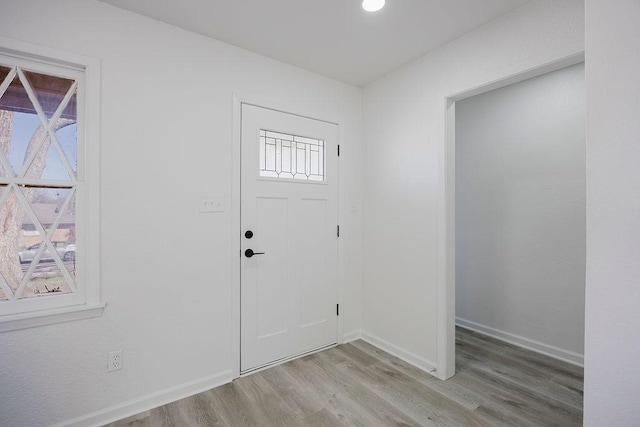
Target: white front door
[(289, 217)]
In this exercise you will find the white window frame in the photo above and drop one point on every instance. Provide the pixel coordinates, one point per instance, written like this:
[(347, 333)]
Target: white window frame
[(86, 302)]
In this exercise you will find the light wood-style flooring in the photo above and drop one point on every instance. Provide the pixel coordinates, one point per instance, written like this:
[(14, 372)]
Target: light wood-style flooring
[(356, 384)]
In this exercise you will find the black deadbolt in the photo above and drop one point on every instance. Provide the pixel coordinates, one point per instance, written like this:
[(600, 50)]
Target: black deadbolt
[(248, 234)]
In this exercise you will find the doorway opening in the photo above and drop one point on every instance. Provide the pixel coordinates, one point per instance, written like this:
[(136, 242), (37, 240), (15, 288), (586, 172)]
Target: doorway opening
[(447, 219), (520, 196)]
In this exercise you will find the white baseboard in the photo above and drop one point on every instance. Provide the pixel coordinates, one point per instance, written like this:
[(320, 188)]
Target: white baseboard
[(409, 357), (351, 336), (153, 400), (529, 344)]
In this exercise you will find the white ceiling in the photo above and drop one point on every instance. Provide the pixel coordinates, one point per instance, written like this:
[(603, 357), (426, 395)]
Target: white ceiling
[(334, 38)]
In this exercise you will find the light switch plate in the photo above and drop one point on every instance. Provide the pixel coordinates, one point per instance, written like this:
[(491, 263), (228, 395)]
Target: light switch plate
[(212, 204)]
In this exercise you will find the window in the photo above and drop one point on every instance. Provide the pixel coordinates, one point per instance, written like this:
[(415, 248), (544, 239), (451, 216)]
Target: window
[(45, 240), (287, 156)]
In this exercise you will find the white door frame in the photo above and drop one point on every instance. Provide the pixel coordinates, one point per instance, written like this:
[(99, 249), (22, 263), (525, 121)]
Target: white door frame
[(236, 142), (446, 264)]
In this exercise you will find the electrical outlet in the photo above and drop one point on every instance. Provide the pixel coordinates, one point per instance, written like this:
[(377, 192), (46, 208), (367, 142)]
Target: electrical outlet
[(114, 361)]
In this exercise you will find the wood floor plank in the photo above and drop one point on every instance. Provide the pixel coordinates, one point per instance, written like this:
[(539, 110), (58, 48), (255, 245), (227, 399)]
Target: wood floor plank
[(497, 404), (525, 359), (319, 385), (575, 385), (231, 408), (347, 408), (200, 411), (138, 420), (511, 396), (448, 410), (264, 403), (340, 398), (551, 366), (166, 415), (457, 394), (509, 369), (372, 409), (360, 357), (322, 418), (419, 403), (292, 391), (357, 384)]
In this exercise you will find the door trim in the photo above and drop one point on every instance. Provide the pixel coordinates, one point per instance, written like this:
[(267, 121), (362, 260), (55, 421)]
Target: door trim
[(236, 143), (446, 263)]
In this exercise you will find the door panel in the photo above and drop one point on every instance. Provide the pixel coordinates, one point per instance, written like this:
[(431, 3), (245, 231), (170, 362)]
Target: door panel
[(314, 262), (271, 308), (289, 184)]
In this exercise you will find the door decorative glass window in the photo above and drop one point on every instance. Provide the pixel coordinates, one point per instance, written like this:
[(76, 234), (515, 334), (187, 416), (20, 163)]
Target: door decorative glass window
[(289, 157)]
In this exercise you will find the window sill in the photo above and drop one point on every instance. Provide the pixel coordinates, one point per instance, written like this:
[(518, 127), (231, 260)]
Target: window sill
[(48, 317)]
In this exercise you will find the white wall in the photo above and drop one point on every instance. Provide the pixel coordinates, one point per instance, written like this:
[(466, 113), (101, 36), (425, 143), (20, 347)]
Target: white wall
[(166, 142), (403, 134), (520, 212), (58, 372), (612, 343)]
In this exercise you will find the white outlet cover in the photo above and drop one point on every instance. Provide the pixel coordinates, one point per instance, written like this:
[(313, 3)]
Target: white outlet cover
[(114, 361)]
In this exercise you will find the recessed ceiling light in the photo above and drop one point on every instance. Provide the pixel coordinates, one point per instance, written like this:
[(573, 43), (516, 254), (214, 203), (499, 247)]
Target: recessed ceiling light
[(372, 5)]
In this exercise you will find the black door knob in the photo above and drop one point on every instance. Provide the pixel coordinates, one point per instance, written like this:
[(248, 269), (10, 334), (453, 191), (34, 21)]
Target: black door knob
[(249, 253), (248, 234)]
